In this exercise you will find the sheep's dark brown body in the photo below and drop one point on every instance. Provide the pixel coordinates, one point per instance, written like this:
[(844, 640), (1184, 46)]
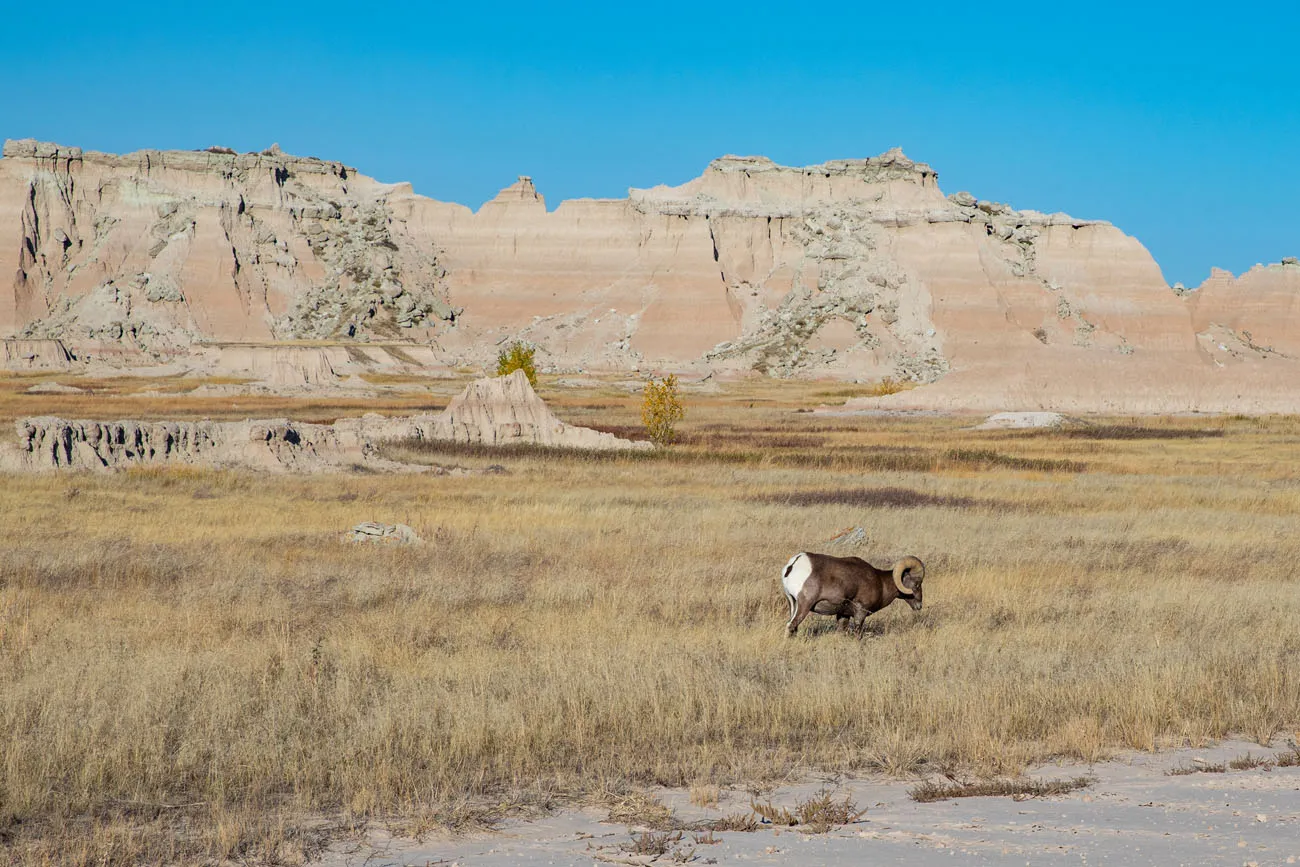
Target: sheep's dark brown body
[(847, 588)]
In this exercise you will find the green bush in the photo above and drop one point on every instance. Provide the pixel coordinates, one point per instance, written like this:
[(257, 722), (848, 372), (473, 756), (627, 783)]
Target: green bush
[(518, 356)]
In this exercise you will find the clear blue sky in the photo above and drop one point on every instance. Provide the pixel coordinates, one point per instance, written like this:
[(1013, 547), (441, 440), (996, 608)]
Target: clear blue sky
[(1179, 122)]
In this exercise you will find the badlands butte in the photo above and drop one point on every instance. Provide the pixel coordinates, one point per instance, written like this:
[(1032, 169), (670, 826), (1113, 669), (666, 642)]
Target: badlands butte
[(299, 271)]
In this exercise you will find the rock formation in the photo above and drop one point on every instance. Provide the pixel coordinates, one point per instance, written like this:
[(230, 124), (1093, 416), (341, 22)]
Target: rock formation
[(307, 366), (373, 533), (146, 253), (854, 269), (34, 355), (500, 411), (1255, 314), (264, 445), (505, 410), (1021, 420)]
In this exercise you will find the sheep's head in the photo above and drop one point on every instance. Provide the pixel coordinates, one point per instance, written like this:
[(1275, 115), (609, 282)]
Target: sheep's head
[(913, 584), (908, 574)]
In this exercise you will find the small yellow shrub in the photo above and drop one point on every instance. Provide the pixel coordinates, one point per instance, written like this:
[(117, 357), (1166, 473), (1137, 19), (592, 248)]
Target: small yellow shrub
[(518, 356), (661, 410), (888, 385)]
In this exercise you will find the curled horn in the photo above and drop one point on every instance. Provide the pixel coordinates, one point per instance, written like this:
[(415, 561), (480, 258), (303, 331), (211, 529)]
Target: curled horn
[(902, 567)]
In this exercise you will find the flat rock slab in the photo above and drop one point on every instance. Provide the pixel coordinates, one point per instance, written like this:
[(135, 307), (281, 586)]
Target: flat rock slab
[(54, 388), (1134, 814), (1020, 420), (849, 536), (383, 534)]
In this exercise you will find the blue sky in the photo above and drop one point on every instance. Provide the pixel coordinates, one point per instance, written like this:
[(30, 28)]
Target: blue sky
[(1175, 122)]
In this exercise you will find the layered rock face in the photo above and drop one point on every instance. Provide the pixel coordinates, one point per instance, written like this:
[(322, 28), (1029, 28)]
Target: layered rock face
[(858, 269), (149, 253), (505, 411), (855, 269), (34, 355), (1259, 310), (500, 411), (267, 445)]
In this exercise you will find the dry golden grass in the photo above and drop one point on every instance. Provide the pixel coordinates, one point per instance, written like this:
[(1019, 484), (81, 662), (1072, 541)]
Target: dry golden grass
[(192, 667), (170, 398), (705, 795), (880, 388)]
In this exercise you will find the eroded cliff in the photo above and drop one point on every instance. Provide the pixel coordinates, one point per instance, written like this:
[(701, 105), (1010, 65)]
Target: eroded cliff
[(856, 269), (149, 253)]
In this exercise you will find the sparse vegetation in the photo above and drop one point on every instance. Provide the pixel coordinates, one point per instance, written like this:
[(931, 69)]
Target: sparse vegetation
[(653, 843), (1185, 770), (880, 388), (744, 821), (1246, 762), (661, 410), (888, 385), (1129, 432), (193, 669), (817, 814), (637, 808), (932, 790), (518, 356), (872, 498)]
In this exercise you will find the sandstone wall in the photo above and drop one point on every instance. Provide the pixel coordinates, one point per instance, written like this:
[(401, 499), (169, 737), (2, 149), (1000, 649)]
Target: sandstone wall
[(154, 250), (20, 355), (276, 445), (1262, 307), (857, 269)]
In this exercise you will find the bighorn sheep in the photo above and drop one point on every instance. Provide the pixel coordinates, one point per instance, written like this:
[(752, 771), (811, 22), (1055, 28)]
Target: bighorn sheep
[(850, 588)]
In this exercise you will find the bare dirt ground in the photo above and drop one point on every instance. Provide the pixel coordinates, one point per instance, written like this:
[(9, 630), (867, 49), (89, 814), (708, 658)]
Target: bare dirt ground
[(1134, 812)]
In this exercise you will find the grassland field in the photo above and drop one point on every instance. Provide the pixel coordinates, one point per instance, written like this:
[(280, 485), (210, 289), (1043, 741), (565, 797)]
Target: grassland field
[(194, 668)]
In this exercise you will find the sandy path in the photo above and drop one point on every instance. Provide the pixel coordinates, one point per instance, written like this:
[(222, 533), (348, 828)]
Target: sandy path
[(1134, 814)]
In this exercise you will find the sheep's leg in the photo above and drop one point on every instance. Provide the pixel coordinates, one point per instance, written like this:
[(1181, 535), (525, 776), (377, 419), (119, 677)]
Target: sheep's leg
[(790, 599), (844, 621), (860, 615), (802, 610)]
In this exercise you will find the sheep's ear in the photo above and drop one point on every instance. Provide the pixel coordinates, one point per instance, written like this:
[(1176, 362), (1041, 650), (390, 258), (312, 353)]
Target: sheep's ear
[(910, 581)]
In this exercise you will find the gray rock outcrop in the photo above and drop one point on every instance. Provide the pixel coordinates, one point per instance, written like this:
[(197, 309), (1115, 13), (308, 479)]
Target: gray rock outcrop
[(27, 354), (373, 533), (504, 410), (498, 411)]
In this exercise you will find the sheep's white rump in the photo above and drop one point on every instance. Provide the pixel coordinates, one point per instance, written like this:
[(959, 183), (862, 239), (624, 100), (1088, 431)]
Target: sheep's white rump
[(792, 579)]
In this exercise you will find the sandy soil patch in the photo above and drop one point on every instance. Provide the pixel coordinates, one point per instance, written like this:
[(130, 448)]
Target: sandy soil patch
[(1134, 813)]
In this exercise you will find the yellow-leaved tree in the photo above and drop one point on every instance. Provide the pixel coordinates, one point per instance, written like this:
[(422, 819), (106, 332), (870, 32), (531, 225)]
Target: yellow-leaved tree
[(518, 356), (661, 409)]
